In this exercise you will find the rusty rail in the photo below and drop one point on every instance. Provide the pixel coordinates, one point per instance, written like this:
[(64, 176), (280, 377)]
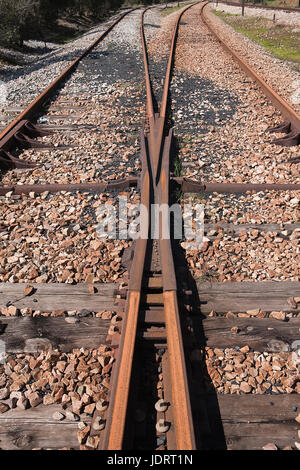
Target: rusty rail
[(155, 177), (292, 124)]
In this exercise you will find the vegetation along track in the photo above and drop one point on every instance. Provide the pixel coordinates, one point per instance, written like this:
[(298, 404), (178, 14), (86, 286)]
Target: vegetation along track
[(154, 398), (267, 7)]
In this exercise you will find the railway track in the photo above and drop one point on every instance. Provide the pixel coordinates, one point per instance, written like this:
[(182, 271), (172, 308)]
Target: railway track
[(154, 190), (151, 388)]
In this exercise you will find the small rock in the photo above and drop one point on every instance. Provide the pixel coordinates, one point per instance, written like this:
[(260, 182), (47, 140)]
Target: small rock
[(13, 311), (98, 423), (234, 330), (298, 418), (291, 301), (72, 416), (92, 289), (89, 409), (58, 416), (4, 393), (106, 315), (278, 315), (72, 320), (297, 445), (90, 442), (76, 405), (28, 290), (82, 434), (4, 407), (253, 312), (270, 446), (23, 403), (34, 399), (294, 202), (58, 313), (245, 387)]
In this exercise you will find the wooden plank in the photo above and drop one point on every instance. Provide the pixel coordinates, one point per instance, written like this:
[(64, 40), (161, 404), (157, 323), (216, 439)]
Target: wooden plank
[(154, 316), (55, 296), (251, 421), (153, 334), (155, 282), (154, 299), (35, 428), (261, 334), (31, 334), (242, 296), (18, 109)]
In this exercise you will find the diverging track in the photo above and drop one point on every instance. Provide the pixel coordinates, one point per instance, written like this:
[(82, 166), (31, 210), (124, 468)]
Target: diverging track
[(154, 183)]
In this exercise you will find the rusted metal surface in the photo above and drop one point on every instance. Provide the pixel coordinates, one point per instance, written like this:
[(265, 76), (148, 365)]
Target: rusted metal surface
[(54, 188), (181, 406), (187, 186), (113, 440), (20, 137), (191, 186), (9, 135), (154, 185), (292, 124)]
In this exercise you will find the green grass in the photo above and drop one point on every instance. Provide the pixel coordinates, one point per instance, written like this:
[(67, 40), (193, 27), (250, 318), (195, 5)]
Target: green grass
[(282, 41), (177, 168), (168, 11)]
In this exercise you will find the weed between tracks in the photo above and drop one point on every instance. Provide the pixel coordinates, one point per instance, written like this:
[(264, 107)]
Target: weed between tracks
[(282, 41), (168, 11)]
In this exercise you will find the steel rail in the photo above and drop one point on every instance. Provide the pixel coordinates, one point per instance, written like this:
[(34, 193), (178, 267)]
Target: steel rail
[(293, 118), (150, 108), (159, 158), (35, 105), (155, 156), (119, 395)]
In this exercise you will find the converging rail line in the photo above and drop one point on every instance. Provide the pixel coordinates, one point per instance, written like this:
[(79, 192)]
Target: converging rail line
[(154, 183)]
